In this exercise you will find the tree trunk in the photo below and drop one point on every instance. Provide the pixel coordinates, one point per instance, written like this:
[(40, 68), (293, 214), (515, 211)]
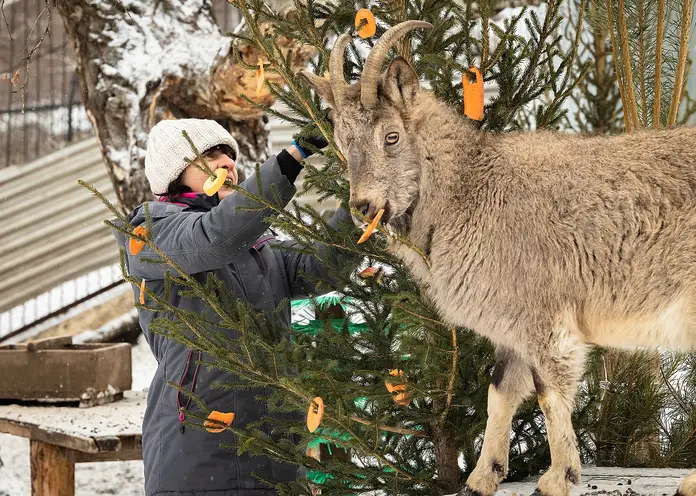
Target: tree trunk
[(447, 456), (160, 60)]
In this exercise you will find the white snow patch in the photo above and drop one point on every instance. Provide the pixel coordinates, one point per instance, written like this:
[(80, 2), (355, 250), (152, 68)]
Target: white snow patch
[(53, 122), (180, 51)]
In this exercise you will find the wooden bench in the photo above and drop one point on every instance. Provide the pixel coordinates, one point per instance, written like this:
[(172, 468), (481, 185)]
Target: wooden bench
[(61, 436)]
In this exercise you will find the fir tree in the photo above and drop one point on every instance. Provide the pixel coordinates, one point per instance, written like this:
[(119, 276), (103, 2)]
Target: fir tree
[(427, 441)]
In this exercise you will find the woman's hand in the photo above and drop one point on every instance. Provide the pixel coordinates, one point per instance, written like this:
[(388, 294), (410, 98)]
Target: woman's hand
[(296, 153), (306, 141)]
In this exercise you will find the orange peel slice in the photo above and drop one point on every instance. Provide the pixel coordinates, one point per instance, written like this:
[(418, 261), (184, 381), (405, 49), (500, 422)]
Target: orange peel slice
[(473, 95), (141, 298), (365, 23), (212, 424), (398, 387), (260, 77), (371, 228), (212, 185), (314, 453), (135, 245), (369, 272), (403, 397), (315, 414)]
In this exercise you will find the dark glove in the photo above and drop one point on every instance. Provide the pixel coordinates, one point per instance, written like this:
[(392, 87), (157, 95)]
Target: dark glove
[(309, 139)]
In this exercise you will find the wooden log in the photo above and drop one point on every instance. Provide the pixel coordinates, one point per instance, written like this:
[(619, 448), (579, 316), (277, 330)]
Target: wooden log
[(52, 470)]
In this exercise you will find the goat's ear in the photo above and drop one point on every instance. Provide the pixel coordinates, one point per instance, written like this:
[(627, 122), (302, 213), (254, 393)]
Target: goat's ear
[(322, 86), (400, 83)]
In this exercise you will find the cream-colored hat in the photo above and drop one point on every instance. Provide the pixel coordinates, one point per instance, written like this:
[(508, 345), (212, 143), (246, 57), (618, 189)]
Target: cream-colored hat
[(167, 148)]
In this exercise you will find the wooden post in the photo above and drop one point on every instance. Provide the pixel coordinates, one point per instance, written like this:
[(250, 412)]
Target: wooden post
[(52, 470)]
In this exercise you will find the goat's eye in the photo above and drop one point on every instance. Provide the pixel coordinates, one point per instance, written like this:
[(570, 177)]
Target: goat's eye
[(391, 139)]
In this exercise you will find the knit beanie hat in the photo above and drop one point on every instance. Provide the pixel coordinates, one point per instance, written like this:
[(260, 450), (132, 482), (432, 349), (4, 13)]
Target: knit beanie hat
[(167, 148)]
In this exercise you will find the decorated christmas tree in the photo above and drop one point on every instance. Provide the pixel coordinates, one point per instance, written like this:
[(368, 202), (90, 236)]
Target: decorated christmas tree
[(378, 375)]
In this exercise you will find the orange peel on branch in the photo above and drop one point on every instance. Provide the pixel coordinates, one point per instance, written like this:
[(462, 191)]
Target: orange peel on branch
[(473, 95), (135, 245), (365, 23), (260, 78), (371, 228), (216, 419), (403, 397), (214, 183), (370, 272), (315, 414)]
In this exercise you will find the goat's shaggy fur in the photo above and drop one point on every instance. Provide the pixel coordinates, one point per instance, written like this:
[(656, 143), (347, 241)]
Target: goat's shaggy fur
[(544, 243)]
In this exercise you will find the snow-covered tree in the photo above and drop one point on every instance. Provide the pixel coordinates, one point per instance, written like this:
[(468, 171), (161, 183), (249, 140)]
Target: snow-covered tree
[(140, 61)]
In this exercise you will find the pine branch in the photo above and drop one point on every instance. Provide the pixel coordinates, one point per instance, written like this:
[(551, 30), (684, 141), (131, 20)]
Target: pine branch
[(658, 62), (453, 375), (679, 76), (623, 85), (642, 64), (630, 104)]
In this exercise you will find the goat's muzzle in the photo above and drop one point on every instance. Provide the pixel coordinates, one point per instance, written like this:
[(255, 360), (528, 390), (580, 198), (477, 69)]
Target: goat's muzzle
[(365, 211)]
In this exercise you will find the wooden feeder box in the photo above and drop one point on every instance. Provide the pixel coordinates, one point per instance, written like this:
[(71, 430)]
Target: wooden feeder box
[(55, 370)]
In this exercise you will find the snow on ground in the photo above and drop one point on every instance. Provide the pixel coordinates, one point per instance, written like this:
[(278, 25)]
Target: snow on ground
[(613, 481)]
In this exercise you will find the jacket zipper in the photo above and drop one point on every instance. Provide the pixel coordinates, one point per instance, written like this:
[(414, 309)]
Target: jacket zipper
[(182, 408)]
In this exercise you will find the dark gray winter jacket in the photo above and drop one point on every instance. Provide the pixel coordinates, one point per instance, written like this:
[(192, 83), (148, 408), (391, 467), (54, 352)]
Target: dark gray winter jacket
[(204, 235)]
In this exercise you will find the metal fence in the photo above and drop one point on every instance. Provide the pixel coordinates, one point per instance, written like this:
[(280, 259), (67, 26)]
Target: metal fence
[(42, 111), (48, 114)]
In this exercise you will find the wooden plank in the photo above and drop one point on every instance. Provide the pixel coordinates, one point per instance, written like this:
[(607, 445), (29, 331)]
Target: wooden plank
[(108, 443), (52, 470), (49, 343), (34, 432), (109, 456), (39, 344), (90, 430)]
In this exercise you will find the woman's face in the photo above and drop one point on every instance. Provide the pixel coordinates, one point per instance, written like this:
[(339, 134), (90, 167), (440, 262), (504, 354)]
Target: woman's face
[(216, 158)]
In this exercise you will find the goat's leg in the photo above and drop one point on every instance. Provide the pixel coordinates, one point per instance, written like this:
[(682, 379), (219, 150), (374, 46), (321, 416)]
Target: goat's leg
[(556, 382), (688, 486), (512, 382)]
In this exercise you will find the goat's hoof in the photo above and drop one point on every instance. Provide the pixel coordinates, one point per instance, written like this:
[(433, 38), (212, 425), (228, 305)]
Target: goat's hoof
[(537, 492), (467, 491)]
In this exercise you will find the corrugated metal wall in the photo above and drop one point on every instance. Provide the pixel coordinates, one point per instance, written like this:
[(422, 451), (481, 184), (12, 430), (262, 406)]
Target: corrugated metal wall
[(52, 229)]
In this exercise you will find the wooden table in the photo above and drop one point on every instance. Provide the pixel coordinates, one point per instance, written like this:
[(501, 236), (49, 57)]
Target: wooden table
[(61, 436)]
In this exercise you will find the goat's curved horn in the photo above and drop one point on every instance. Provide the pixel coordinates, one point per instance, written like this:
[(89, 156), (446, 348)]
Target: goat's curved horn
[(373, 65), (338, 82)]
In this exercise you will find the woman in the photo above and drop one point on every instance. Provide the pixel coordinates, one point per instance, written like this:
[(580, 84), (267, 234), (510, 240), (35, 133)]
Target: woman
[(210, 235)]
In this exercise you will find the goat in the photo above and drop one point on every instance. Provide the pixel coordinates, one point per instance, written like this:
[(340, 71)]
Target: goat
[(544, 243)]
